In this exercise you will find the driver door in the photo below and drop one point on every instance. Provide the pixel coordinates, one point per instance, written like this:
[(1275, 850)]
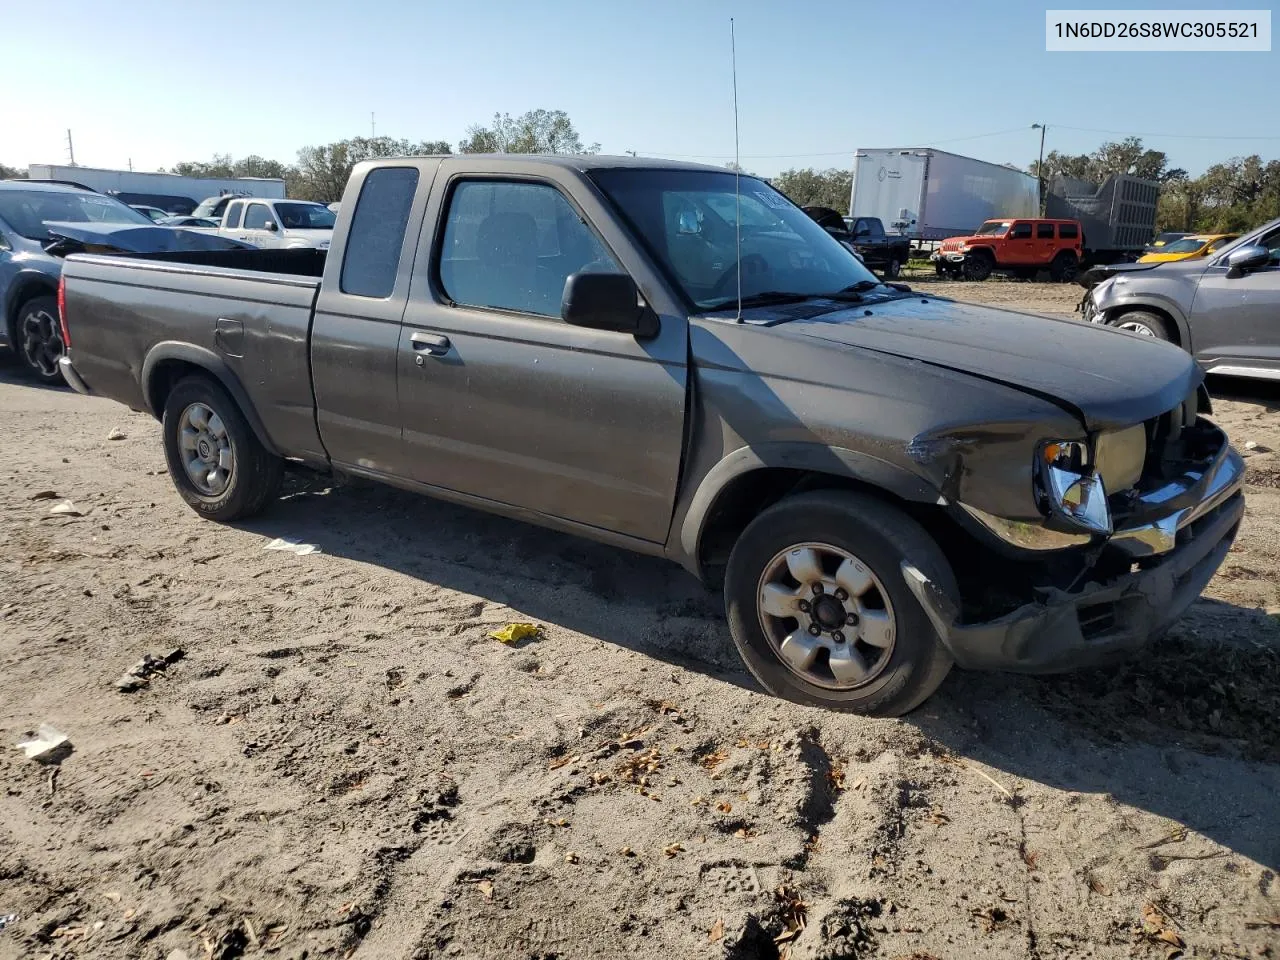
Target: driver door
[(500, 399)]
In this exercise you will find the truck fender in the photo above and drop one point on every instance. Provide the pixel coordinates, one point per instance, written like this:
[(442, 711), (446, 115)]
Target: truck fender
[(1148, 301), (207, 360), (793, 455), (25, 285)]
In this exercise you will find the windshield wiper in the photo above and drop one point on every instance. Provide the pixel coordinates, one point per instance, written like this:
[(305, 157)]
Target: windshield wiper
[(766, 298)]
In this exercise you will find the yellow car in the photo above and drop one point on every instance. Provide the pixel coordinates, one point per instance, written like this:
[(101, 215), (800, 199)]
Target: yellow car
[(1190, 247)]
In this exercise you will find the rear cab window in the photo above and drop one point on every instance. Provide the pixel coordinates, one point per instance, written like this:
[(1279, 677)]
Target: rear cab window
[(233, 215), (376, 236), (1068, 231), (1044, 231)]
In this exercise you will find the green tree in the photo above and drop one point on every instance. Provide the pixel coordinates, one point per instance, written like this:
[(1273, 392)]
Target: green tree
[(11, 173), (538, 131), (822, 188), (322, 172)]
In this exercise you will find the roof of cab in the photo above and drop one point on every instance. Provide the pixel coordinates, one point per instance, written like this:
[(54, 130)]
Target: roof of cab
[(581, 162), (43, 186)]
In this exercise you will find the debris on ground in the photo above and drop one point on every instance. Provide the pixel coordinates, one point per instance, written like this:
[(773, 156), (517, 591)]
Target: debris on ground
[(140, 674), (49, 745), (291, 546), (513, 633), (66, 509), (116, 434), (1158, 928), (44, 495), (7, 918)]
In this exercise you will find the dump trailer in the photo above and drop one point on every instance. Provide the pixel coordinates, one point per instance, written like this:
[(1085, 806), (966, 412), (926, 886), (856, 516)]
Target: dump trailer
[(928, 194), (1118, 218)]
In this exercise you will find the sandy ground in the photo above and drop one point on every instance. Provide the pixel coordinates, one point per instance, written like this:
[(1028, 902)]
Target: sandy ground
[(344, 764)]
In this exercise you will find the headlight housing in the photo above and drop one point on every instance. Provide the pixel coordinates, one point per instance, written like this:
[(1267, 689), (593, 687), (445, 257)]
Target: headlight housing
[(1073, 490)]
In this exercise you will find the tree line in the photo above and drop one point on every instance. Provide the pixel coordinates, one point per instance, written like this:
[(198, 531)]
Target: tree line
[(1230, 197)]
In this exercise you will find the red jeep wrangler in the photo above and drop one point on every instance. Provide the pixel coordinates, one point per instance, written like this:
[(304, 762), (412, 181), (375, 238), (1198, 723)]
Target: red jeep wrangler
[(1020, 247)]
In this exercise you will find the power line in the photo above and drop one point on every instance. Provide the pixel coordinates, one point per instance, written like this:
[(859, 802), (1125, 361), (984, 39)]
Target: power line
[(1172, 136), (976, 136), (827, 153)]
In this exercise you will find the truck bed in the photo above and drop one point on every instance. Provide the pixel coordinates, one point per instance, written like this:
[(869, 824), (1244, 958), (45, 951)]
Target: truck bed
[(246, 313)]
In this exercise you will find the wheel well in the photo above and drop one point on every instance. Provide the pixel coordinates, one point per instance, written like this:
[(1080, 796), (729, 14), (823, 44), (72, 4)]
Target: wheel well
[(1170, 324), (748, 494), (30, 289), (163, 379)]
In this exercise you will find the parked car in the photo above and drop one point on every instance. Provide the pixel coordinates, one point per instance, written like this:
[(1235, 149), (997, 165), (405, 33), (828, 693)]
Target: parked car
[(866, 235), (42, 222), (213, 208), (273, 224), (202, 222), (1021, 247), (1163, 239), (1190, 247), (884, 483), (154, 214), (1224, 309)]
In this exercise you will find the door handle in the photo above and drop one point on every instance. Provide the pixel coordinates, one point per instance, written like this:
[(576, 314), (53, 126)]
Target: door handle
[(433, 343)]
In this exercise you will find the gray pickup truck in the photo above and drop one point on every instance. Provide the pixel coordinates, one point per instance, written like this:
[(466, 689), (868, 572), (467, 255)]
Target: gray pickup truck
[(884, 483)]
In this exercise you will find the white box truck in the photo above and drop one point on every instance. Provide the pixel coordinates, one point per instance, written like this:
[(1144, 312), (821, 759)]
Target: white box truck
[(929, 194), (169, 191)]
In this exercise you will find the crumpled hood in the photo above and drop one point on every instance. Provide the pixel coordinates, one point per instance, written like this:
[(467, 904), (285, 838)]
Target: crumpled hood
[(1106, 377), (136, 238)]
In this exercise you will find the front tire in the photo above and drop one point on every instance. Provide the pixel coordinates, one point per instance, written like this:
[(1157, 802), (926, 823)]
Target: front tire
[(38, 340), (796, 563), (893, 269), (216, 462), (1144, 324), (1064, 267), (978, 266)]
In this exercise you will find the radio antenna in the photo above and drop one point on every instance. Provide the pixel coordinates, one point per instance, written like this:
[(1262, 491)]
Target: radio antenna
[(737, 171)]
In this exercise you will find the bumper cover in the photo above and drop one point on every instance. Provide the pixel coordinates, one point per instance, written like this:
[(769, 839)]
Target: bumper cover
[(949, 256), (1064, 630), (70, 375)]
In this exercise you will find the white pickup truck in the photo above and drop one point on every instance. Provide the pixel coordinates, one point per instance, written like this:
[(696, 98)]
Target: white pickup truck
[(278, 224)]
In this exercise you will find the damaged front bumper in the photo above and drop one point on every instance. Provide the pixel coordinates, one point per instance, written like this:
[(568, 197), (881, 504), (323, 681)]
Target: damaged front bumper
[(1180, 536)]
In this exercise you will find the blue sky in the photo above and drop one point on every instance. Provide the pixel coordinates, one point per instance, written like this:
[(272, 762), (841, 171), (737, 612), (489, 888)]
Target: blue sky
[(157, 83)]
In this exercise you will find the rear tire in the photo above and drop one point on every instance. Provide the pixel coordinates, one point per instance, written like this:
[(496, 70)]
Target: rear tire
[(1064, 267), (893, 269), (1145, 324), (891, 678), (38, 340), (978, 266), (216, 462)]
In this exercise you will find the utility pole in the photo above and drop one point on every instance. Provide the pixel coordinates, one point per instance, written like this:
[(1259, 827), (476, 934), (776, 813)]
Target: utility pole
[(1040, 165), (131, 164), (71, 150), (632, 152), (373, 127)]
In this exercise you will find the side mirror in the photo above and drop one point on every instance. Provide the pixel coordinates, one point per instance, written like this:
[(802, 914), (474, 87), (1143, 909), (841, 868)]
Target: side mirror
[(271, 225), (606, 301), (1252, 256)]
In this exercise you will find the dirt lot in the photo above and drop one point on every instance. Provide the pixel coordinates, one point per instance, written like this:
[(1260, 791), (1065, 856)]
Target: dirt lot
[(344, 764)]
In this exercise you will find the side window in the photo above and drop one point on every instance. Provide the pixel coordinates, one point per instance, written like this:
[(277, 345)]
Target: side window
[(512, 245), (233, 215), (256, 216), (1044, 231), (1020, 231), (860, 228), (1068, 231), (876, 229), (376, 237)]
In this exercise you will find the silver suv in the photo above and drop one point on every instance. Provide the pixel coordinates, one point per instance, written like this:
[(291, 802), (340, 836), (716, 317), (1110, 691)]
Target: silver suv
[(1224, 311)]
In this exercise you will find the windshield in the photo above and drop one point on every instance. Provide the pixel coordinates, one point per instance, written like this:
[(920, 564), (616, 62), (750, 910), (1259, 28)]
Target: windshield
[(686, 219), (305, 216), (1185, 245), (27, 211), (993, 228)]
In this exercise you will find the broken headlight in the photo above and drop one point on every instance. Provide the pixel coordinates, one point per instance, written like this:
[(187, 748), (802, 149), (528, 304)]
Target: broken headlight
[(1072, 487)]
